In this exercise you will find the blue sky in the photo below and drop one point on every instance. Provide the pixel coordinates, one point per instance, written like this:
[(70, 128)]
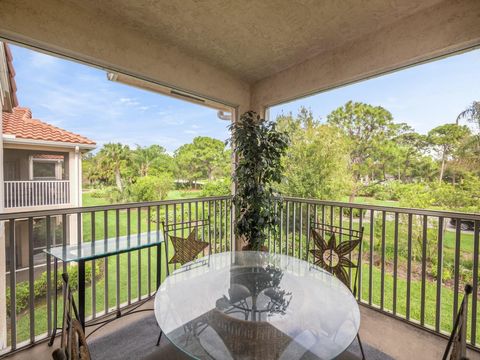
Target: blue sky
[(81, 99), (422, 96)]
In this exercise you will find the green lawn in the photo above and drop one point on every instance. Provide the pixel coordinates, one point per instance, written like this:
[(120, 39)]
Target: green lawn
[(370, 201)]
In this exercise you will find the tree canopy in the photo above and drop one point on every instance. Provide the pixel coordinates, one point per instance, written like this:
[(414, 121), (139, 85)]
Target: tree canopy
[(317, 161), (358, 149)]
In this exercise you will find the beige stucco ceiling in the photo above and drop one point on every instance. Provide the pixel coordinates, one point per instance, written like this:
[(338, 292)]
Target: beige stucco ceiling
[(255, 39)]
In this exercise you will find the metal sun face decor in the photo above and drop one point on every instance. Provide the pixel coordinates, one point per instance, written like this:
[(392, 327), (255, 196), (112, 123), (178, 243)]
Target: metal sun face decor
[(187, 249), (332, 257)]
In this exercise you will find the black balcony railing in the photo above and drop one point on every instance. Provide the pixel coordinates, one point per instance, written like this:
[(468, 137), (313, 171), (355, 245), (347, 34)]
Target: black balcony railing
[(413, 263)]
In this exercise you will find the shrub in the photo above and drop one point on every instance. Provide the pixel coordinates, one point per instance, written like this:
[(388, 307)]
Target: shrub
[(102, 192), (217, 187), (355, 212), (40, 286), (151, 188)]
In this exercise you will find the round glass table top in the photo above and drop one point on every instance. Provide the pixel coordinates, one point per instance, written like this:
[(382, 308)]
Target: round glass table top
[(256, 305)]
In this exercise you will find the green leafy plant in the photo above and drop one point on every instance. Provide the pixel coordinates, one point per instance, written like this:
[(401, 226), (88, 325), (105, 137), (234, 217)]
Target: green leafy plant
[(40, 289), (260, 147), (218, 187), (151, 188)]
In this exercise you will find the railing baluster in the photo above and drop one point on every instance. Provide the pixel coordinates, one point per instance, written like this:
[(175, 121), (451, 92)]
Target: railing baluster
[(158, 267), (221, 225), (129, 258), (395, 264), (167, 242), (204, 236), (294, 204), (476, 239), (65, 239), (280, 229), (287, 227), (215, 225), (350, 228), (13, 286), (424, 270), (300, 254), (149, 254), (323, 219), (370, 263), (409, 265), (227, 248), (438, 302), (105, 262), (212, 250), (31, 279), (360, 258), (332, 215), (174, 228), (94, 267), (117, 258), (309, 224), (48, 235), (275, 211), (456, 279), (139, 254), (382, 279)]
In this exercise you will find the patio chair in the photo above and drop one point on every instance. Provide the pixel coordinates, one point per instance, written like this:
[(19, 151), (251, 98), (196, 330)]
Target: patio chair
[(186, 249), (73, 345), (336, 259), (457, 343)]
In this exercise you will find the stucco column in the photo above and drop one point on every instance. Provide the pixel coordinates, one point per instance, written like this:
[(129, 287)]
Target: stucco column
[(3, 298)]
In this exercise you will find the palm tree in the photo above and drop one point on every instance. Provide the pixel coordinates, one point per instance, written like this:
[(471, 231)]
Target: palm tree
[(114, 156), (471, 148), (471, 113)]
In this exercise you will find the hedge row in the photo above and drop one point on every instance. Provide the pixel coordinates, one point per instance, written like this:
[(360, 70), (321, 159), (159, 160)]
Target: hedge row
[(40, 286)]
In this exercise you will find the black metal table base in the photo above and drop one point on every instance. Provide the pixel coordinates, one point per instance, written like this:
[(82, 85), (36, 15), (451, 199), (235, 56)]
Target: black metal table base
[(81, 295)]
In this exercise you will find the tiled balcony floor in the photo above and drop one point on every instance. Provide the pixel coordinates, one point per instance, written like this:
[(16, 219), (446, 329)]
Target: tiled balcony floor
[(134, 337)]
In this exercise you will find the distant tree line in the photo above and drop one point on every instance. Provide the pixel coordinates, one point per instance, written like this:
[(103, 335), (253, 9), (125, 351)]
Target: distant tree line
[(361, 150), (149, 173), (358, 150)]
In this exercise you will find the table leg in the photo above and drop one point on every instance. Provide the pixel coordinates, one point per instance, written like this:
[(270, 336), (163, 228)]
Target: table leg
[(55, 280), (81, 292)]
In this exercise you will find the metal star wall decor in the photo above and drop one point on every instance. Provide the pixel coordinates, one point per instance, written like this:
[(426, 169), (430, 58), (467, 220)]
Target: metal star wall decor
[(333, 257), (186, 250)]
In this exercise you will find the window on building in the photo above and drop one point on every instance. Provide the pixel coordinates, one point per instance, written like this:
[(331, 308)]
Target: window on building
[(44, 170)]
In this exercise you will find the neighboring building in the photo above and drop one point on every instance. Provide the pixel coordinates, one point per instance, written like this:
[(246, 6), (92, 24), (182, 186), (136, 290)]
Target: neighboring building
[(41, 168)]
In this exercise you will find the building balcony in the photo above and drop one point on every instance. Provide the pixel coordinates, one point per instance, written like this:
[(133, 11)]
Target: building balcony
[(30, 193), (413, 267)]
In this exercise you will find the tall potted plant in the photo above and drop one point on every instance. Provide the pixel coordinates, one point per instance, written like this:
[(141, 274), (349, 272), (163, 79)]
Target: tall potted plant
[(259, 147)]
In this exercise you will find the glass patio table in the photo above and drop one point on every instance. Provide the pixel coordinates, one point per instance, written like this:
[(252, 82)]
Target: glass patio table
[(256, 305)]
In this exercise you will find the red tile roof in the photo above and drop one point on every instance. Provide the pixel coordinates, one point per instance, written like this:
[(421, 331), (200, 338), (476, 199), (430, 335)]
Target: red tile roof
[(20, 123)]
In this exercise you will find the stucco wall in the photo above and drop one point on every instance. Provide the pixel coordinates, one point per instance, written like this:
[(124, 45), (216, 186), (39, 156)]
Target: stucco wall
[(62, 27), (67, 29), (439, 30)]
